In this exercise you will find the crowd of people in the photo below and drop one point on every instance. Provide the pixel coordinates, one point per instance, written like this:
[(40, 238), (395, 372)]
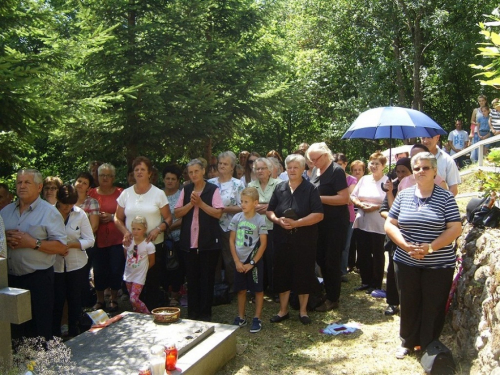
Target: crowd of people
[(260, 224)]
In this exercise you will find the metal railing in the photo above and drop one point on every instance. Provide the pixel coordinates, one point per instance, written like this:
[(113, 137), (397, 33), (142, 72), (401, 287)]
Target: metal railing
[(480, 156), (480, 153)]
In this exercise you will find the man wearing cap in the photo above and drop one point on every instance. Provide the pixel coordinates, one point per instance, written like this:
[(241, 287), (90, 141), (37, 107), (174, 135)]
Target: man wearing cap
[(458, 139), (35, 233)]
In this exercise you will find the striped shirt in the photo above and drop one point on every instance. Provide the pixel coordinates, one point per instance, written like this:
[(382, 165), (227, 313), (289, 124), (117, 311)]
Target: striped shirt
[(422, 221)]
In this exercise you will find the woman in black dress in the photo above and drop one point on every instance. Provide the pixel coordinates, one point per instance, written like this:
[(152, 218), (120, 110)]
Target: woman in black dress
[(295, 209)]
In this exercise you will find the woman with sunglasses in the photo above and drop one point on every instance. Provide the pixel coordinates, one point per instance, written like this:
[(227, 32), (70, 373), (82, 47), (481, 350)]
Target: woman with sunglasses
[(423, 222), (249, 175)]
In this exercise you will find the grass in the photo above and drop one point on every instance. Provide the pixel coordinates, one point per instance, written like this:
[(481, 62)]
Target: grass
[(291, 348)]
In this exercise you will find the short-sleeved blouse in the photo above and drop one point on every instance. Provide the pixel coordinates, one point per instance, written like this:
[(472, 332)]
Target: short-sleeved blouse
[(107, 233), (265, 195), (304, 201), (230, 193), (172, 200), (422, 221), (351, 180), (148, 205), (369, 190), (329, 183), (90, 206)]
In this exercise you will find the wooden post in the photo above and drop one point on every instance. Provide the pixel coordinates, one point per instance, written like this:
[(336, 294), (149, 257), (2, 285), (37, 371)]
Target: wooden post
[(15, 308)]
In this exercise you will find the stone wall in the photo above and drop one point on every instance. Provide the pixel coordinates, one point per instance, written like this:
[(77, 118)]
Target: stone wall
[(476, 307)]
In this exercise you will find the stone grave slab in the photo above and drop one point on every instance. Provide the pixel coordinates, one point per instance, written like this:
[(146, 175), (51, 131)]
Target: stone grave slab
[(124, 346)]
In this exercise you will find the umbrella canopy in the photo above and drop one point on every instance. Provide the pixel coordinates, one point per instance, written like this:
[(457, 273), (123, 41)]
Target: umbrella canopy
[(393, 122)]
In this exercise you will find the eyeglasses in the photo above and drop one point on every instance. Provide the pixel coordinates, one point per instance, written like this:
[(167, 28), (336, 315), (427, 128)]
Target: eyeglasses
[(260, 169), (50, 188), (134, 254), (106, 175), (315, 160), (417, 169)]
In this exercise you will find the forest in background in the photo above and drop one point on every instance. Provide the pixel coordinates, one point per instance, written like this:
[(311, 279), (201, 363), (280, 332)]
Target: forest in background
[(85, 80)]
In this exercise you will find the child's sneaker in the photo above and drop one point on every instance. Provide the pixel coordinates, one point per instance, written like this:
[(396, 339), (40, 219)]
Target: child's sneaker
[(256, 325), (239, 322)]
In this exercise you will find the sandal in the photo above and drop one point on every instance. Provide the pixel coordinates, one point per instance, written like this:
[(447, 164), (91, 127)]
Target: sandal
[(99, 306), (113, 309)]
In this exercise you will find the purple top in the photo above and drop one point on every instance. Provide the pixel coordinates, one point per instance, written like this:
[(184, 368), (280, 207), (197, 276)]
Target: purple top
[(351, 180)]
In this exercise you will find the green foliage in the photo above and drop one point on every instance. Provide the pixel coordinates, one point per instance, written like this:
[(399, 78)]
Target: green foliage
[(490, 50), (110, 80)]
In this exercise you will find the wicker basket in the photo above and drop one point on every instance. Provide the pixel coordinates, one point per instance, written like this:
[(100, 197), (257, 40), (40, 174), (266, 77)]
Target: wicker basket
[(166, 314)]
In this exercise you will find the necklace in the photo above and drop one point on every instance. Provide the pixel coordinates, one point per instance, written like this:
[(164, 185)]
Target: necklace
[(421, 202)]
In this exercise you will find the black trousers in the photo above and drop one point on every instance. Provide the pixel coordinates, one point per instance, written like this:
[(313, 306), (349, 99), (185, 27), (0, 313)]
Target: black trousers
[(68, 286), (109, 264), (392, 296), (371, 258), (331, 243), (151, 294), (269, 263), (423, 293), (41, 286), (200, 273), (175, 278)]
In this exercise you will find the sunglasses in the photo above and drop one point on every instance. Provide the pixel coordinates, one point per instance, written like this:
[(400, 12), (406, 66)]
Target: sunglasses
[(250, 161), (134, 254), (417, 169)]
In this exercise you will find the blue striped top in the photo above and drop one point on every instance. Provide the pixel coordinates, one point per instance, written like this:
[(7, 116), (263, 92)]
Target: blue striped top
[(422, 221)]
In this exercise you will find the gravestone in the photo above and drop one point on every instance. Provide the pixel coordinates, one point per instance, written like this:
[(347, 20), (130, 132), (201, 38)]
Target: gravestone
[(15, 308), (122, 347)]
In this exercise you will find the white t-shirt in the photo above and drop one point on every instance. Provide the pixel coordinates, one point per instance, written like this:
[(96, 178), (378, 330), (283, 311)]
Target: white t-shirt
[(458, 139), (147, 205), (136, 267)]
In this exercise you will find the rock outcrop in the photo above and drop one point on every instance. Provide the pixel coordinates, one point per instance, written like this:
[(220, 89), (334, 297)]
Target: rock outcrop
[(476, 306)]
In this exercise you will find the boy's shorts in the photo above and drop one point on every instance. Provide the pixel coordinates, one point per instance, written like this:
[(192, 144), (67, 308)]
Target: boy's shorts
[(246, 281)]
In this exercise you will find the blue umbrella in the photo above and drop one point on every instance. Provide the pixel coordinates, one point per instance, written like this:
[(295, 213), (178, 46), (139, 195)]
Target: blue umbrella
[(393, 122)]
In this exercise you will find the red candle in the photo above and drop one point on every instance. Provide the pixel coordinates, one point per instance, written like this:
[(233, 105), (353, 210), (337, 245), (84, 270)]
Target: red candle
[(170, 357)]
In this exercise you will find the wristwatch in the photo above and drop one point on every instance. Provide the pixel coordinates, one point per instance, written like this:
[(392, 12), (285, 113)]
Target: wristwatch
[(38, 243), (431, 250), (252, 262)]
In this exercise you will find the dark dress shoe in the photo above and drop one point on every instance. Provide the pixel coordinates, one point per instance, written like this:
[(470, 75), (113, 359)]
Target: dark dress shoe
[(363, 287), (327, 306), (305, 320), (277, 318)]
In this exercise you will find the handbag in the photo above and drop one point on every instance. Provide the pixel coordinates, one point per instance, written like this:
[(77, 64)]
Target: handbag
[(290, 213), (481, 215), (437, 359), (171, 258)]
